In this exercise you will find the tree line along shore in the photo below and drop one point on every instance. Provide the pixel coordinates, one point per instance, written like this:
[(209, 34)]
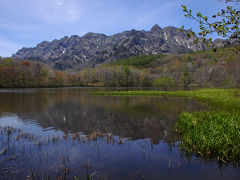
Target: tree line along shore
[(201, 69)]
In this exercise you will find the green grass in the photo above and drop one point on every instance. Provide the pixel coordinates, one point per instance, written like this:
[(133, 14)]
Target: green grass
[(210, 134), (213, 134), (216, 98)]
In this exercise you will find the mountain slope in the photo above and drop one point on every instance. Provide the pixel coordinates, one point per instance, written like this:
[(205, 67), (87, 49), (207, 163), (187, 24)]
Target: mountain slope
[(94, 49)]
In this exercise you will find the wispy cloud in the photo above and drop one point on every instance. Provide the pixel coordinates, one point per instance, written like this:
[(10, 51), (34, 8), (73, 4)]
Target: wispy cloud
[(60, 2), (45, 11), (58, 11)]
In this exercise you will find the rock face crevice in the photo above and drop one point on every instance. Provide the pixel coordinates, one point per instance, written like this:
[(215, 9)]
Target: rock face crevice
[(94, 49)]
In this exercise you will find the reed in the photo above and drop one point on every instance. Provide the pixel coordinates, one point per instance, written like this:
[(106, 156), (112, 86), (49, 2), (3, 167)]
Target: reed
[(210, 134)]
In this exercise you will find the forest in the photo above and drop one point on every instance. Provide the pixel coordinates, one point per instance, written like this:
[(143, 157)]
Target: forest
[(197, 69)]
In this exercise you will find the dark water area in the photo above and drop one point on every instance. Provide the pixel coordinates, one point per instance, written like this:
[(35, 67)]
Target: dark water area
[(66, 132)]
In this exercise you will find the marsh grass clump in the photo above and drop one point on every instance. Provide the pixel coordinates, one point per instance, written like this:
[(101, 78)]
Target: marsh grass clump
[(18, 149), (224, 99), (210, 134), (88, 177)]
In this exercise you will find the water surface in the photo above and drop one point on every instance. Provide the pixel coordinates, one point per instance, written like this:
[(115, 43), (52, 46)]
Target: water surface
[(134, 139)]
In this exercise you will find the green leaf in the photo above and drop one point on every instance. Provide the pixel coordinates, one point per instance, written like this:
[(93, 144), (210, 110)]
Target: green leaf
[(199, 14)]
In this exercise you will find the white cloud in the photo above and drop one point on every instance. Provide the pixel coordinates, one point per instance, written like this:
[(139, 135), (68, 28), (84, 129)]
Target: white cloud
[(42, 11), (60, 2)]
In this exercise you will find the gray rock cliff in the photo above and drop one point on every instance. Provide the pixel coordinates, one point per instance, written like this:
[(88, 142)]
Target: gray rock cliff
[(95, 49)]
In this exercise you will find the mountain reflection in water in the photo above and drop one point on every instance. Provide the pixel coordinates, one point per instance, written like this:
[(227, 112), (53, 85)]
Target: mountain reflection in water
[(77, 111), (63, 124)]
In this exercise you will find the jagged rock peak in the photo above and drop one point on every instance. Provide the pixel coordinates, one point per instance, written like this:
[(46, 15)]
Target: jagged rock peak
[(156, 28), (94, 49), (94, 35), (75, 36)]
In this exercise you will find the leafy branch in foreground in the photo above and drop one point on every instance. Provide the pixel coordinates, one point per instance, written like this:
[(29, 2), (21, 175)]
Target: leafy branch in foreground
[(225, 23)]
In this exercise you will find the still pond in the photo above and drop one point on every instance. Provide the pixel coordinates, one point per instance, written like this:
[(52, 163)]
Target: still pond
[(67, 132)]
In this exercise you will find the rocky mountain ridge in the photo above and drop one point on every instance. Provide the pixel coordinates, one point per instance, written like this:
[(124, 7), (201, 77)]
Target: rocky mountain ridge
[(94, 49)]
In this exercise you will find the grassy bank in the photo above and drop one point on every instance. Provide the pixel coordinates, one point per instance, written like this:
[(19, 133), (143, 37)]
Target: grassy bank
[(216, 98), (213, 134)]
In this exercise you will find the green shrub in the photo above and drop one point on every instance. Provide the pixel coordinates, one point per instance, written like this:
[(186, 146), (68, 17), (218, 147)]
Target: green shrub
[(164, 82)]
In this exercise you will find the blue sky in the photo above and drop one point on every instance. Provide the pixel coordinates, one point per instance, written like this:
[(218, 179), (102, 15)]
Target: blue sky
[(25, 23)]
